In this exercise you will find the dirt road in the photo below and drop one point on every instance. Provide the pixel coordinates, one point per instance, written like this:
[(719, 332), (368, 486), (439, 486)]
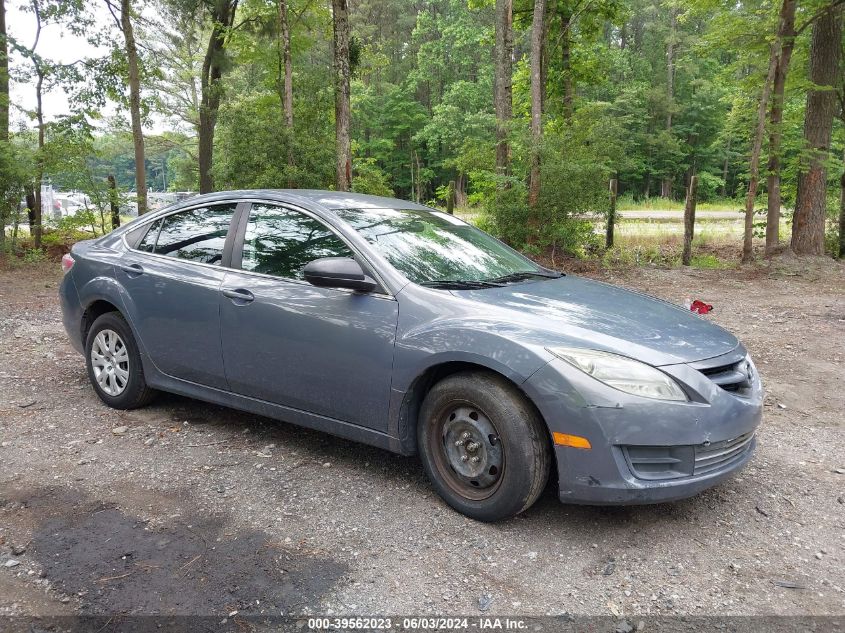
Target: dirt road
[(184, 507)]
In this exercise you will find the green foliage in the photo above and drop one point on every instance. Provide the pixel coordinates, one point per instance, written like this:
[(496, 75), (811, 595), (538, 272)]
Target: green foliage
[(709, 187), (506, 215), (34, 255), (15, 165), (369, 178), (255, 151), (387, 119), (422, 110), (72, 228)]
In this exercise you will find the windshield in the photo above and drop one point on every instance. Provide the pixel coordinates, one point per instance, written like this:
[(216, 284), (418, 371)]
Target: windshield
[(430, 247)]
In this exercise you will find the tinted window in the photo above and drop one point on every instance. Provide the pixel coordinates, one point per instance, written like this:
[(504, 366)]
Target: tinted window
[(281, 242), (198, 234), (149, 241), (428, 246)]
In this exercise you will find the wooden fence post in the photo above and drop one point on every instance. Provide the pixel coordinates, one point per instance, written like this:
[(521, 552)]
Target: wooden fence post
[(450, 198), (115, 209), (611, 214), (689, 219)]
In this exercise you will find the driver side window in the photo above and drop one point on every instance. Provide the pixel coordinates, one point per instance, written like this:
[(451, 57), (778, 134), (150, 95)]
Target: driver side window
[(280, 242)]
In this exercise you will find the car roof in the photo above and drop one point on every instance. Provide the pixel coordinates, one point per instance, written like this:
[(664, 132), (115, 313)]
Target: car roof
[(331, 200)]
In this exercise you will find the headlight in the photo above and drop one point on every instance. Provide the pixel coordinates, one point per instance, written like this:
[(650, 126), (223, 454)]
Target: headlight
[(622, 373)]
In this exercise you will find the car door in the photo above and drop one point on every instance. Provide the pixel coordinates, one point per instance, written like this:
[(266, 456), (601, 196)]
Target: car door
[(323, 350), (172, 278)]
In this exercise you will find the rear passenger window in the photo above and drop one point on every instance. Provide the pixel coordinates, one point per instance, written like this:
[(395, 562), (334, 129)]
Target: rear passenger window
[(149, 241), (198, 235)]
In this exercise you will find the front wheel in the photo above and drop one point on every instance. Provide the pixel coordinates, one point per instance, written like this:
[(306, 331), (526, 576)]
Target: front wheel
[(484, 447), (114, 364)]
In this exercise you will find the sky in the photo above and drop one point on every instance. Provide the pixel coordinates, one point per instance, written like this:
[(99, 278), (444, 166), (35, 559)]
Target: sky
[(55, 44)]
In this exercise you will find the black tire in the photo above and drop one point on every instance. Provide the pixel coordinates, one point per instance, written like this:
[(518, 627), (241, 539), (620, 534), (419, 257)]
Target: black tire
[(524, 455), (135, 392)]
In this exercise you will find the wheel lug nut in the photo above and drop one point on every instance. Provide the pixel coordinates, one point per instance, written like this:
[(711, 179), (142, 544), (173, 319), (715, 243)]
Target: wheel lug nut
[(465, 435), (464, 458), (459, 443), (476, 459)]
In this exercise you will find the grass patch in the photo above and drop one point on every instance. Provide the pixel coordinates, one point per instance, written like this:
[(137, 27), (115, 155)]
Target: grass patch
[(627, 203), (710, 262)]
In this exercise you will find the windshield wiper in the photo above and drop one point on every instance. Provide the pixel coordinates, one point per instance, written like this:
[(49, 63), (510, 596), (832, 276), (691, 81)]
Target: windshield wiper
[(519, 276), (461, 284)]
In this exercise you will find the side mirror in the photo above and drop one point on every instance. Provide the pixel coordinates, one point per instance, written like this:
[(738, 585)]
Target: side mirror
[(338, 272)]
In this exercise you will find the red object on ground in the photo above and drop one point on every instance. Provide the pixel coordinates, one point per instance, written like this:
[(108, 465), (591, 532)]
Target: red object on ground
[(700, 307)]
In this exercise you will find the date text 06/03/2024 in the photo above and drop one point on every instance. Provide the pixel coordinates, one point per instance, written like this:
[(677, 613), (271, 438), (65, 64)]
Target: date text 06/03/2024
[(417, 623)]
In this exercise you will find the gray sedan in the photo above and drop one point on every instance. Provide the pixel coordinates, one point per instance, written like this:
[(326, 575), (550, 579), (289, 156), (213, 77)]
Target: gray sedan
[(393, 324)]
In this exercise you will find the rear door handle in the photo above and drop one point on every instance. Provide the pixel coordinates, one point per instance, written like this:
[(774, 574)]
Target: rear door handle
[(239, 296), (132, 269)]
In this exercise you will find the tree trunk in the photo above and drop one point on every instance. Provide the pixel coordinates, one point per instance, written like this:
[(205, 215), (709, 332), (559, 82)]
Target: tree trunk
[(689, 220), (340, 24), (544, 64), (842, 209), (135, 104), (461, 191), (222, 18), (113, 203), (810, 207), (670, 65), (611, 215), (725, 168), (287, 83), (6, 200), (503, 89), (416, 182), (671, 46), (30, 208), (566, 66), (536, 104), (37, 214), (4, 76), (786, 37), (756, 148)]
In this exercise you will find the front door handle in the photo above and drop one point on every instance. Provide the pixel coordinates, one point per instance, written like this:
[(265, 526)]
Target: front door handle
[(239, 296), (133, 270)]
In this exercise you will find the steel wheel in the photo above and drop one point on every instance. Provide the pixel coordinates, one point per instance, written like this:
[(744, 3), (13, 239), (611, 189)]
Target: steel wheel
[(469, 453), (110, 361)]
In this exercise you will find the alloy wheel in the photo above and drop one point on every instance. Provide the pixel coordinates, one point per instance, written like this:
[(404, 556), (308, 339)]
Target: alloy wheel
[(110, 360)]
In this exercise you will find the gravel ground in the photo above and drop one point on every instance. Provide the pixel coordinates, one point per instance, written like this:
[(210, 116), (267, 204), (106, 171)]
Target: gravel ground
[(188, 508)]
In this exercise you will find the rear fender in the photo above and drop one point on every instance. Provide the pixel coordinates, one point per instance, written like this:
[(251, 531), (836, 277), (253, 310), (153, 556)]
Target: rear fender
[(108, 289)]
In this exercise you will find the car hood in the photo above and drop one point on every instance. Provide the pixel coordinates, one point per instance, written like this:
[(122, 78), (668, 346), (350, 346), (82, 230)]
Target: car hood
[(572, 310)]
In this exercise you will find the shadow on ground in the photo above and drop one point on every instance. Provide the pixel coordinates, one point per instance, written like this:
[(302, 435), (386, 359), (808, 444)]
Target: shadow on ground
[(115, 563)]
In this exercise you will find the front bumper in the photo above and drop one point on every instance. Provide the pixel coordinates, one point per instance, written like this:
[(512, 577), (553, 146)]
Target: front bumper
[(708, 439)]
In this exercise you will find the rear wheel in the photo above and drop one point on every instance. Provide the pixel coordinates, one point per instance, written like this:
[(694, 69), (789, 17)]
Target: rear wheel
[(483, 446), (114, 364)]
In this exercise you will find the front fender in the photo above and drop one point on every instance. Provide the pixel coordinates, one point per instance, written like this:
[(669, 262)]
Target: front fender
[(421, 350)]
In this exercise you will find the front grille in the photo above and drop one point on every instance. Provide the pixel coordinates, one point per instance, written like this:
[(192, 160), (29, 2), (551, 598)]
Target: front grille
[(721, 454), (735, 377), (653, 463)]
